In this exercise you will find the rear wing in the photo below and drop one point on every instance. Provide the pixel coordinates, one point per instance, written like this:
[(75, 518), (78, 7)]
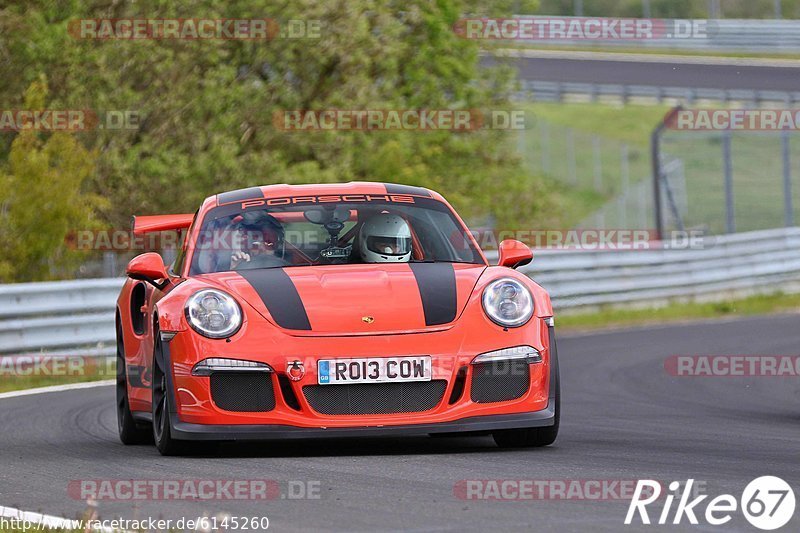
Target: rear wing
[(153, 223)]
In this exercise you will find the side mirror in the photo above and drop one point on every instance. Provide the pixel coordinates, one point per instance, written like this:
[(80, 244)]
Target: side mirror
[(148, 267), (514, 254)]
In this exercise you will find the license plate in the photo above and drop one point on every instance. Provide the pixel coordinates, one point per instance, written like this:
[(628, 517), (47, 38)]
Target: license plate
[(374, 370)]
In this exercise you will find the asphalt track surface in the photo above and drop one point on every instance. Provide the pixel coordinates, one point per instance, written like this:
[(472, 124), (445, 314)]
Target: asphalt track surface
[(658, 74), (623, 418)]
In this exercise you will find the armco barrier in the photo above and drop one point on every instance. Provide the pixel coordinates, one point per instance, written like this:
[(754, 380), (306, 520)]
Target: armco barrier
[(719, 35), (555, 91), (78, 316), (61, 316), (725, 266)]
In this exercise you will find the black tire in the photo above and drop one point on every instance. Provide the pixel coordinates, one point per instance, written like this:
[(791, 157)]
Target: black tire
[(162, 434), (130, 432), (535, 437)]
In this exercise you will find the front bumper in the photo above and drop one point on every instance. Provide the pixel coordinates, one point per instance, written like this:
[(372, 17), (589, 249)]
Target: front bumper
[(478, 424), (195, 416)]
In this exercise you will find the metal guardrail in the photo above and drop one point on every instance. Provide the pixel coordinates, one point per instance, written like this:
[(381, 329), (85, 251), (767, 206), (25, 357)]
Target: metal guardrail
[(554, 91), (77, 317), (725, 266), (722, 35), (59, 317)]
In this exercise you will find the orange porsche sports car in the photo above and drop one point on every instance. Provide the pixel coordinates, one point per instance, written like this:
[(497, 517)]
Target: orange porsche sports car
[(327, 311)]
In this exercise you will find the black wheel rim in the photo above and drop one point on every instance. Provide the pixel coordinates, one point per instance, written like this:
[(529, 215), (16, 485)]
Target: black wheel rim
[(122, 382), (159, 394)]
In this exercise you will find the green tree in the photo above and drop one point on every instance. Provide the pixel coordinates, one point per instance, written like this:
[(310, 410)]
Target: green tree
[(206, 106), (42, 200)]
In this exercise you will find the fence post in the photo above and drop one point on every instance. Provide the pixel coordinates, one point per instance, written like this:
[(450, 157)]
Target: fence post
[(624, 169), (655, 154), (643, 208), (730, 219), (624, 193), (714, 11), (571, 165), (788, 208), (109, 264), (598, 164), (545, 142)]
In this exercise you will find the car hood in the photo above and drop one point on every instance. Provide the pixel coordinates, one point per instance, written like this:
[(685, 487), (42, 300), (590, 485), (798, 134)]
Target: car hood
[(370, 299)]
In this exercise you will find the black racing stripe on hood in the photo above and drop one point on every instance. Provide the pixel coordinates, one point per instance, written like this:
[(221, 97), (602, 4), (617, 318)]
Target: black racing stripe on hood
[(437, 288), (279, 294), (251, 193), (394, 188)]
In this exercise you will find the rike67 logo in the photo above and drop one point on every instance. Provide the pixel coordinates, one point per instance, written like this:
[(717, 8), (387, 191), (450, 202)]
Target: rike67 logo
[(767, 502)]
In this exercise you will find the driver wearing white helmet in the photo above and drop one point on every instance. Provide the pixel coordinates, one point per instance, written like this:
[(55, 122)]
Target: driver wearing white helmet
[(385, 238)]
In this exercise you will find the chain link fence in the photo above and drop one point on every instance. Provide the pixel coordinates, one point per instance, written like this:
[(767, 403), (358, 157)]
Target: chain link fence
[(610, 174), (581, 160), (716, 182), (734, 181)]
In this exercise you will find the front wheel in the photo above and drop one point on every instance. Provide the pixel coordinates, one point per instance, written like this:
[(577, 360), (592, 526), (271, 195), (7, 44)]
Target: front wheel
[(533, 437), (129, 431), (161, 404)]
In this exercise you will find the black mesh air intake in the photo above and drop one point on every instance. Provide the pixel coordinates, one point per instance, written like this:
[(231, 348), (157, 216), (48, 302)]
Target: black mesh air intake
[(242, 391), (375, 398), (500, 381)]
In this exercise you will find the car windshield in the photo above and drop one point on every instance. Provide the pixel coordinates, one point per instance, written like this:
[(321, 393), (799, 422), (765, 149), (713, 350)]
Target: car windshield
[(329, 230)]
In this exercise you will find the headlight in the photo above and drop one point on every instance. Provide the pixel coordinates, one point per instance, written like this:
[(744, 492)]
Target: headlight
[(213, 313), (507, 302)]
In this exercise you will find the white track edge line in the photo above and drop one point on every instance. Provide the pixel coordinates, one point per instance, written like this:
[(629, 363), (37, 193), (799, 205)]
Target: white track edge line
[(57, 388)]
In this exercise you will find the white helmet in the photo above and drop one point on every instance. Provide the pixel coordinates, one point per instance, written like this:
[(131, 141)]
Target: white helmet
[(385, 238)]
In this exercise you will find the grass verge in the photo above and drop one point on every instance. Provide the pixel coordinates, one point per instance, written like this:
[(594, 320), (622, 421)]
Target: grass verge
[(613, 318), (630, 123), (19, 375), (657, 51)]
